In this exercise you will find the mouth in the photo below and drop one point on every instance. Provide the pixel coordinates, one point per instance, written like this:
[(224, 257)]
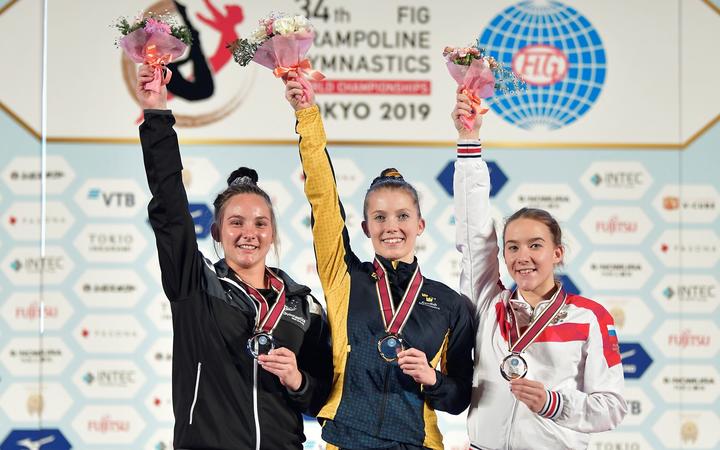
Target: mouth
[(247, 247), (525, 271), (392, 241)]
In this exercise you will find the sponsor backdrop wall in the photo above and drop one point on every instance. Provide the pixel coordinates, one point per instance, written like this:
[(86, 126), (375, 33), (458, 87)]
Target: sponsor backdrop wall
[(616, 135)]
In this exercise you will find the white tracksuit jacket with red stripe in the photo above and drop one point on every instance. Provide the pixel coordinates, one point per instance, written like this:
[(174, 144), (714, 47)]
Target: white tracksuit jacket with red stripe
[(576, 359)]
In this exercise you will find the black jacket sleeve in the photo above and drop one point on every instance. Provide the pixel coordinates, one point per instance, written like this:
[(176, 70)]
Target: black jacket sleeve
[(180, 261), (451, 392), (315, 363)]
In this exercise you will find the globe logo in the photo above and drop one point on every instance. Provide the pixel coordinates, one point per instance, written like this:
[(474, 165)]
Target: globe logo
[(557, 52)]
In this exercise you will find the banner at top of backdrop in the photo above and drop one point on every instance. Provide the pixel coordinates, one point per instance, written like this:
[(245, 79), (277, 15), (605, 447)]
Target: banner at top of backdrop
[(597, 73)]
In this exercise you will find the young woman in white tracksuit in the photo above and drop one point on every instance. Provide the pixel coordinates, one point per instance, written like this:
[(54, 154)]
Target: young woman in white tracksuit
[(547, 365)]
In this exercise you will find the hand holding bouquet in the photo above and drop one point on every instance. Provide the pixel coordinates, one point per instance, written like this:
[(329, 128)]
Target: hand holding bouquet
[(478, 77), (154, 40), (280, 43)]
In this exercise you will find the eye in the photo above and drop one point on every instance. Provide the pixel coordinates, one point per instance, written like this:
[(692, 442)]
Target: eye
[(379, 218), (235, 222), (404, 216), (536, 245), (262, 223), (511, 247)]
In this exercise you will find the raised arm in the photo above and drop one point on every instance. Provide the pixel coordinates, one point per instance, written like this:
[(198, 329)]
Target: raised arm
[(331, 241), (474, 230), (168, 209)]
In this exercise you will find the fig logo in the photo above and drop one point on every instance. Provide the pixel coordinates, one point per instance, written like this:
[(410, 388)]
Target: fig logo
[(540, 65)]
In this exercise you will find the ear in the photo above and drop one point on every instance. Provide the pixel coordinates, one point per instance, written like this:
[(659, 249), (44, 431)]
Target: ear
[(215, 232), (365, 228), (421, 226), (558, 254)]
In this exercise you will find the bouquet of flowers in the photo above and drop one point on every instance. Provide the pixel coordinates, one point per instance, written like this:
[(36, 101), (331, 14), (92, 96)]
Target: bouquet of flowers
[(280, 43), (155, 40), (479, 76)]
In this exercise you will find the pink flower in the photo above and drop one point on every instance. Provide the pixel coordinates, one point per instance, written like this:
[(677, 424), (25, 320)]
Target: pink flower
[(155, 26)]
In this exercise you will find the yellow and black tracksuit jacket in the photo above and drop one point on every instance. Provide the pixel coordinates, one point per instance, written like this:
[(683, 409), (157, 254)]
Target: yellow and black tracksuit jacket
[(373, 404)]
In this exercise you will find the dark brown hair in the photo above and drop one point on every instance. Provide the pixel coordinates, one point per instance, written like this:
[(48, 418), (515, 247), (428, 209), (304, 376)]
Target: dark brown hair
[(390, 178), (541, 216), (244, 181)]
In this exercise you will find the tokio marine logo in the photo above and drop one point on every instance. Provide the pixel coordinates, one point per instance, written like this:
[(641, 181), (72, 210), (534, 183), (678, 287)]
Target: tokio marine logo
[(207, 92)]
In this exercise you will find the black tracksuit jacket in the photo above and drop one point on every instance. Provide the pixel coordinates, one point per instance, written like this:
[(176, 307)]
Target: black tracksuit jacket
[(221, 398)]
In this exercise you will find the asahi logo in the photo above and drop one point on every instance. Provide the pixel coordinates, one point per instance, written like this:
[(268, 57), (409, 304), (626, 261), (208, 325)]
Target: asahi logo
[(23, 177), (110, 288)]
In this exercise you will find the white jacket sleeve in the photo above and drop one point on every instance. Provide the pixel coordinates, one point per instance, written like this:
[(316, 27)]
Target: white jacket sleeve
[(600, 405), (475, 234)]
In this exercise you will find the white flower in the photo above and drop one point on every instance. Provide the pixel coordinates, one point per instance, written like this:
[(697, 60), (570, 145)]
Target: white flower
[(283, 25), (259, 35), (301, 23)]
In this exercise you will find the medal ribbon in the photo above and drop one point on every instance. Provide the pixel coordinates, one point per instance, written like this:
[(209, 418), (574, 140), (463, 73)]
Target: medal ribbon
[(268, 318), (518, 342), (393, 320)]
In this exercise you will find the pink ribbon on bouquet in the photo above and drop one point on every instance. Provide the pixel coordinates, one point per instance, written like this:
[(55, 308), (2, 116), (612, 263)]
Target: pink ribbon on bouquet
[(159, 65), (304, 70), (476, 102)]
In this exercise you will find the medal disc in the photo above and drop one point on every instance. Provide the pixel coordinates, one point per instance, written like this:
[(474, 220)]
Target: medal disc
[(389, 346), (513, 366), (260, 344)]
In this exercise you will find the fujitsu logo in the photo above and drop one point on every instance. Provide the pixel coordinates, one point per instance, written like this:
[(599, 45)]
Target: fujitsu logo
[(687, 339), (541, 65), (32, 311), (107, 424), (615, 225)]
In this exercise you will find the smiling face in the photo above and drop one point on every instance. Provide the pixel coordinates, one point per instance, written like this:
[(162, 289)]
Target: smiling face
[(393, 223), (245, 231), (530, 256)]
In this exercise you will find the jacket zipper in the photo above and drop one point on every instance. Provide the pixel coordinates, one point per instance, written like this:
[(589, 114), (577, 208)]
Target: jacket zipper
[(512, 419), (255, 405), (384, 401), (197, 385)]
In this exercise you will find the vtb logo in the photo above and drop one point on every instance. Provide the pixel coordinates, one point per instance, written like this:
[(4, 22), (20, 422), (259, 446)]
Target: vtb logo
[(119, 199)]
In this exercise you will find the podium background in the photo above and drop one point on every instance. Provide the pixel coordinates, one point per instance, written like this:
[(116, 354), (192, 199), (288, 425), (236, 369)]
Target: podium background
[(632, 179)]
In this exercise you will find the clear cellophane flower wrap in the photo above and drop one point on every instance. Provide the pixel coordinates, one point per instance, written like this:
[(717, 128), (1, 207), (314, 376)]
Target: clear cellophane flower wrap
[(153, 45), (478, 77), (281, 44)]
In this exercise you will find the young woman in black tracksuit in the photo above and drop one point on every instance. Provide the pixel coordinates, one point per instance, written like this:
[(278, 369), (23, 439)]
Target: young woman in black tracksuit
[(230, 389)]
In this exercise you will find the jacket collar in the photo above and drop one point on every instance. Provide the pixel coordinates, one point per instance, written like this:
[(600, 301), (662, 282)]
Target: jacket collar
[(291, 287)]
